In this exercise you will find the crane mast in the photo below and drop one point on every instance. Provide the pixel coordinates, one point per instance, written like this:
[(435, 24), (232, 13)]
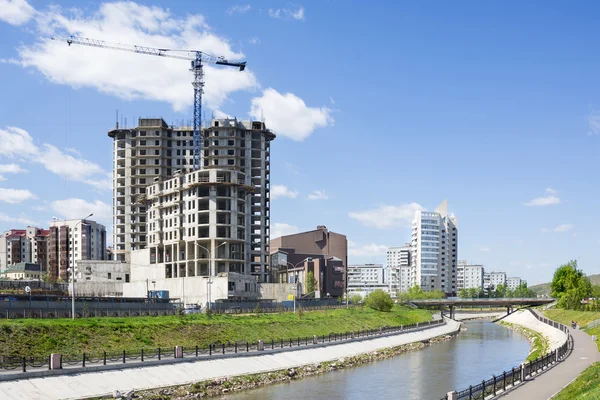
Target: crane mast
[(197, 58)]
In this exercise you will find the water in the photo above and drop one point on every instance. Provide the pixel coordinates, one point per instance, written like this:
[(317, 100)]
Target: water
[(477, 353)]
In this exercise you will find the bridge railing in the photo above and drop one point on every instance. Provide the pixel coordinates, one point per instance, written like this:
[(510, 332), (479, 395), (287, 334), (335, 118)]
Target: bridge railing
[(519, 374), (17, 364)]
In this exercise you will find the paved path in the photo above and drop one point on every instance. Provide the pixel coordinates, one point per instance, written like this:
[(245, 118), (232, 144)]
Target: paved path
[(78, 386), (546, 385)]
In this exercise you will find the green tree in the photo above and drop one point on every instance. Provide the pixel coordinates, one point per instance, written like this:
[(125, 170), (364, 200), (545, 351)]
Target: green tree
[(355, 298), (464, 294), (379, 300), (570, 285), (500, 291), (311, 282), (417, 293)]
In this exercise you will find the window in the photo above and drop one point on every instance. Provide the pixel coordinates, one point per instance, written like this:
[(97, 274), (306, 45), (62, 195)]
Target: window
[(157, 142), (109, 276), (142, 142), (142, 171), (142, 133), (179, 141)]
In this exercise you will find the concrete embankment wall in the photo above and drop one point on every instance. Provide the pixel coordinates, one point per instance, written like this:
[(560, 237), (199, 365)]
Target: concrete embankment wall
[(525, 318), (91, 384)]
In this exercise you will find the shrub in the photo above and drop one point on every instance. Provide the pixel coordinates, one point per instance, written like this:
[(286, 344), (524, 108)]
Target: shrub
[(379, 300), (355, 299)]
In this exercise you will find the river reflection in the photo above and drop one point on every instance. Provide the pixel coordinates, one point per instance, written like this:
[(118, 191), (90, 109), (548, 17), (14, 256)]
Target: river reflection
[(477, 353)]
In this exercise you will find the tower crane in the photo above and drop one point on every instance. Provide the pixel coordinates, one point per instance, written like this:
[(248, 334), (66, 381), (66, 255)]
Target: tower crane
[(197, 58)]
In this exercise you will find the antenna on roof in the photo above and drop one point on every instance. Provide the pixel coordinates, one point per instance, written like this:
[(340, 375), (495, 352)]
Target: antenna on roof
[(117, 120)]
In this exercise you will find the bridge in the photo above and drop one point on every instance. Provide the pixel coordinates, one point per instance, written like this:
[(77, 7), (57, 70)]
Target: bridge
[(452, 303)]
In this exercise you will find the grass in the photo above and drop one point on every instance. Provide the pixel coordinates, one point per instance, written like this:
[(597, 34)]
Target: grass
[(582, 317), (36, 337), (539, 343), (586, 386)]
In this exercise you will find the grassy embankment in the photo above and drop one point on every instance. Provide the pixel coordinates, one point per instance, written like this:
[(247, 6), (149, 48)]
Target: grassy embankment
[(586, 386), (539, 343), (31, 337), (582, 317)]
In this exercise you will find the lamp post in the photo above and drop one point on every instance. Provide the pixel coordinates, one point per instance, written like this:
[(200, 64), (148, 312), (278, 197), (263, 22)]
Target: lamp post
[(287, 273), (73, 274), (209, 282)]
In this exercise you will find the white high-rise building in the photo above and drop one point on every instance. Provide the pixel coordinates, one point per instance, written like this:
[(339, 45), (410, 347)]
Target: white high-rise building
[(435, 250), (493, 278), (398, 268), (514, 282), (469, 276), (365, 278)]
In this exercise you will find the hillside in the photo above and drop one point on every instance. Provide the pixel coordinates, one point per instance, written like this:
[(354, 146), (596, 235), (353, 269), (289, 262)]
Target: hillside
[(544, 288)]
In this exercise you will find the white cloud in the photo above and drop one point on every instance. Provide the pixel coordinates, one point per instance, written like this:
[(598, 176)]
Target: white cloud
[(118, 72), (385, 217), (15, 196), (279, 229), (594, 123), (254, 40), (19, 220), (559, 228), (484, 249), (10, 169), (79, 208), (18, 143), (549, 200), (15, 12), (278, 191), (371, 249), (288, 115), (318, 195), (238, 9), (287, 13)]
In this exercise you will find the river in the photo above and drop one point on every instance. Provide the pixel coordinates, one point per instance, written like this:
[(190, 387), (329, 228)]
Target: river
[(477, 353)]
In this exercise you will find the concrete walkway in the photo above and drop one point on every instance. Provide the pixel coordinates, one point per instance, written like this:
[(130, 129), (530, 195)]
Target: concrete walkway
[(548, 384), (78, 386)]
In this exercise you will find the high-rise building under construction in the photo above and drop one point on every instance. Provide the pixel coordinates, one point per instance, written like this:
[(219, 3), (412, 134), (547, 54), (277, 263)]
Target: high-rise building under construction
[(153, 153)]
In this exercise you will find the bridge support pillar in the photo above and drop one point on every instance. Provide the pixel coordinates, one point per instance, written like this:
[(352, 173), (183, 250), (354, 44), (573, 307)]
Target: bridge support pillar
[(451, 312), (452, 396), (508, 310)]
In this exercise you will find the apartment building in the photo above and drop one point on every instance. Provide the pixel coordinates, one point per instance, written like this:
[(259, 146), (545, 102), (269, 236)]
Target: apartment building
[(493, 279), (71, 241), (151, 150), (320, 251), (514, 282), (28, 245), (398, 262), (435, 250), (469, 276), (363, 279)]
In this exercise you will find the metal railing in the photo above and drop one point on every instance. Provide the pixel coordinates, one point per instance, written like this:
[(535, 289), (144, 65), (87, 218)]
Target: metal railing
[(519, 374), (10, 364)]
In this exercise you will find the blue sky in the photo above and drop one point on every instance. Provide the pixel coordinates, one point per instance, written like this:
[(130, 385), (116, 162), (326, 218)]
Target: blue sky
[(381, 108)]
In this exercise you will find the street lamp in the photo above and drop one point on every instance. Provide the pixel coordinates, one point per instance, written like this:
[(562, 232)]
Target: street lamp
[(73, 274), (209, 282), (287, 273)]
